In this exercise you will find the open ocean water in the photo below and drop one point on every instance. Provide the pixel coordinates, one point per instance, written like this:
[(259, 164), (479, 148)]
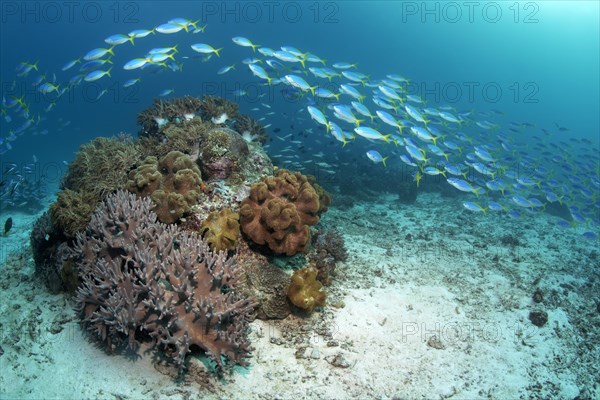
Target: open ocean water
[(460, 143)]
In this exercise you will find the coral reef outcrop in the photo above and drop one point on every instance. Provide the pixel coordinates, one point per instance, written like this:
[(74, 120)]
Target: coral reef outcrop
[(173, 184), (327, 247), (305, 291), (162, 112), (72, 210), (250, 129), (99, 168), (218, 110), (143, 281), (221, 230), (45, 241), (265, 282), (222, 154), (279, 211)]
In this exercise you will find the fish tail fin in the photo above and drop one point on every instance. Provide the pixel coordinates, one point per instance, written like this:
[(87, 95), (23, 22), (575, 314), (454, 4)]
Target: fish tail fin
[(383, 161), (446, 155), (217, 51), (477, 191), (254, 46), (358, 121), (107, 73), (193, 23), (110, 50), (386, 138), (108, 60), (269, 79), (202, 28), (312, 89), (175, 49), (35, 65), (323, 61), (337, 96), (302, 61), (130, 38)]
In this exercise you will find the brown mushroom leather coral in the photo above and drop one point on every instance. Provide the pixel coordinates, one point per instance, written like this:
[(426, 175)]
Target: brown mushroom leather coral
[(279, 211)]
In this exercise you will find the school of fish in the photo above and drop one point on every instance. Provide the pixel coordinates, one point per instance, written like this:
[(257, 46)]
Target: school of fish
[(513, 168)]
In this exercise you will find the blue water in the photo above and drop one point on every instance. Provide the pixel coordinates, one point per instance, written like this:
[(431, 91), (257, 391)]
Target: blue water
[(534, 63), (531, 70)]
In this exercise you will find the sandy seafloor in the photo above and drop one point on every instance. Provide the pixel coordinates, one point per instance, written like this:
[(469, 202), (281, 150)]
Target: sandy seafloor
[(431, 303)]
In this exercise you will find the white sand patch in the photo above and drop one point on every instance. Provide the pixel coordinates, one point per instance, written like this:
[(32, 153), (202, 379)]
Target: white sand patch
[(433, 307)]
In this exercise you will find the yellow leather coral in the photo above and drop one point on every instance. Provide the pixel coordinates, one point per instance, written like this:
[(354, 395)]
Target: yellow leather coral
[(305, 291), (221, 229)]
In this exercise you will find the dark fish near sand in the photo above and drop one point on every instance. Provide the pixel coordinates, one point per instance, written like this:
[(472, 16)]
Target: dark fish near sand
[(7, 225)]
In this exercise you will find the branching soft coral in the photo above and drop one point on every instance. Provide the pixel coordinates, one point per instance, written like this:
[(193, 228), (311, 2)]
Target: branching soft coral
[(146, 281)]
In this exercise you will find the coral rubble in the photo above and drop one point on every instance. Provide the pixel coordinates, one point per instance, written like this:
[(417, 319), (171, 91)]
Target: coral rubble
[(146, 281)]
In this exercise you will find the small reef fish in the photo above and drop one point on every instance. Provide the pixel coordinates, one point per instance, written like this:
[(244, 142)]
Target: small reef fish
[(135, 63), (98, 53), (7, 225), (205, 49), (95, 75), (119, 39), (300, 83), (260, 72), (169, 28), (370, 133), (226, 69), (374, 156), (242, 41)]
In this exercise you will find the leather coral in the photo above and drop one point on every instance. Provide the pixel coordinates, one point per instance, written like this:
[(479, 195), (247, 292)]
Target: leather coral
[(173, 184), (279, 211), (142, 280)]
